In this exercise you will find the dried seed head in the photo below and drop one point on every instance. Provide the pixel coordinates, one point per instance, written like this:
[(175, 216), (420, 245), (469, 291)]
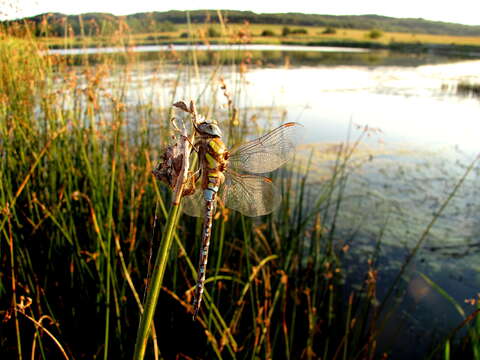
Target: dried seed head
[(182, 106)]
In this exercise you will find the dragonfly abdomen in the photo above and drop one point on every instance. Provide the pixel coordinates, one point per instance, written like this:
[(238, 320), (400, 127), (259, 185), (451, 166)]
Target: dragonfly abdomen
[(203, 258), (214, 163)]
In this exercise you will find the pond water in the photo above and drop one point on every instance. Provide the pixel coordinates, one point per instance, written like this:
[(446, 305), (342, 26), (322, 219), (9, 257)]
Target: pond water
[(409, 104), (429, 134), (204, 47)]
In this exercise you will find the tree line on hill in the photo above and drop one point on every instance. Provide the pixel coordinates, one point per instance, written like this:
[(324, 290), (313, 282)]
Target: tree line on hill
[(56, 24)]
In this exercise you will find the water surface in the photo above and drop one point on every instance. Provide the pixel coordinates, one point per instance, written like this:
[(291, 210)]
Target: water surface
[(204, 47)]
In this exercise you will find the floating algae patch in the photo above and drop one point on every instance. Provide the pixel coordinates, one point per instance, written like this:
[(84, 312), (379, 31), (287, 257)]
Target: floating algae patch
[(405, 186), (390, 196)]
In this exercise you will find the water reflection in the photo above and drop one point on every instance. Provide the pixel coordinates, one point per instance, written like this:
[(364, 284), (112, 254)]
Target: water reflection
[(408, 104), (266, 55)]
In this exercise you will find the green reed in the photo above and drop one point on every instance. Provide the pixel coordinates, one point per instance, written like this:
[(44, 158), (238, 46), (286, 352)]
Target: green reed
[(79, 205)]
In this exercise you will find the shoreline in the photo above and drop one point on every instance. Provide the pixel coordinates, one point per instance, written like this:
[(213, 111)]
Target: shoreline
[(472, 51)]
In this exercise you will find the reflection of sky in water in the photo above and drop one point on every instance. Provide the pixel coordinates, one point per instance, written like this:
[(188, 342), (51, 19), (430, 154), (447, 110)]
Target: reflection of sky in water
[(200, 47), (407, 104)]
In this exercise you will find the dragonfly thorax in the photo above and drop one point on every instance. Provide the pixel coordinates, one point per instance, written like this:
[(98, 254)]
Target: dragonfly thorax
[(213, 161)]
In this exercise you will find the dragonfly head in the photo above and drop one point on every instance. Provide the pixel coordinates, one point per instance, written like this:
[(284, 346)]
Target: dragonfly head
[(209, 129)]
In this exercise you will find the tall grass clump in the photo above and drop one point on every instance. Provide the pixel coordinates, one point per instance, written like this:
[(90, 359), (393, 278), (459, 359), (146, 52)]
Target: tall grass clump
[(73, 186)]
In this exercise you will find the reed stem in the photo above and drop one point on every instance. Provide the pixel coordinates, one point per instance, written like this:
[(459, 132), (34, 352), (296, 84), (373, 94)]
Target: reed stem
[(155, 283)]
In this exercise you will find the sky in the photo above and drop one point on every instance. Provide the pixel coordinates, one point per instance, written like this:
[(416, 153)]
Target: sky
[(458, 11)]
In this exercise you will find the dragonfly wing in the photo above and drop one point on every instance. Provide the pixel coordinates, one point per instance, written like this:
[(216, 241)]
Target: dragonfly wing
[(194, 205), (251, 195), (268, 152)]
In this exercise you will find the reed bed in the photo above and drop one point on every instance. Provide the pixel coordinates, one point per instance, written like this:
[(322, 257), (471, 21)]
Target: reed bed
[(81, 216)]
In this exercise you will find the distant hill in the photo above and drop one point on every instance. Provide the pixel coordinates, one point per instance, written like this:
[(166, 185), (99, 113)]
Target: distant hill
[(103, 23)]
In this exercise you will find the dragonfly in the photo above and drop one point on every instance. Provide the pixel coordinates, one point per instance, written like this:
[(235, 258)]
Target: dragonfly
[(231, 179)]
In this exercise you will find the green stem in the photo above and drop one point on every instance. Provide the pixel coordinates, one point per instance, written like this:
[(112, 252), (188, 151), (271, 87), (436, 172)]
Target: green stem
[(109, 261), (155, 284)]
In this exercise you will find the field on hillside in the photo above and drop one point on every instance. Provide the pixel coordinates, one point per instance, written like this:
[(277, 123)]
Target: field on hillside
[(262, 33)]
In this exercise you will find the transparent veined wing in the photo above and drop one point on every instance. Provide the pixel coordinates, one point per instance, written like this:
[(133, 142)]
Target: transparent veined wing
[(251, 195), (268, 152), (194, 205)]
